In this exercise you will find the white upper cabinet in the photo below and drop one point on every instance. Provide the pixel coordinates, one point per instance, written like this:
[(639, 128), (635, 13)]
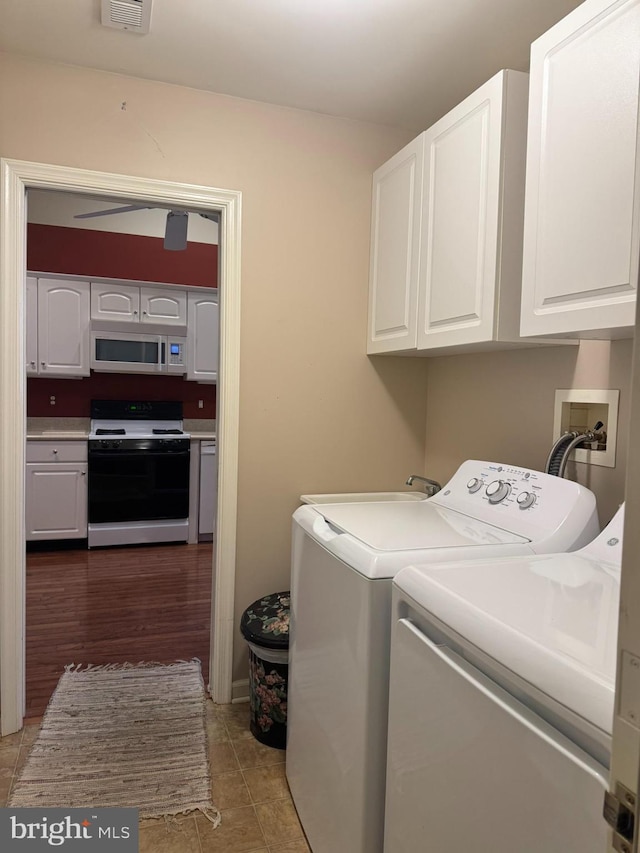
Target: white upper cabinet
[(202, 337), (395, 250), (63, 327), (473, 204), (446, 255), (163, 306), (127, 303), (119, 302), (581, 232), (32, 326)]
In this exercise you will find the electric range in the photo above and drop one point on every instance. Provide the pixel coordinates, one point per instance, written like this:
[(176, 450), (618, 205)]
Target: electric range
[(139, 458)]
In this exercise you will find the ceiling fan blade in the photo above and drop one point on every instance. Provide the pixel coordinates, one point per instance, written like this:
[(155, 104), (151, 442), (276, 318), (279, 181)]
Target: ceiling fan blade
[(111, 210), (175, 235)]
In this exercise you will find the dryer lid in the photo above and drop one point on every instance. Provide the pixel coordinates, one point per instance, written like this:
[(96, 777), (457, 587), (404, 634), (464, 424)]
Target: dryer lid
[(409, 526)]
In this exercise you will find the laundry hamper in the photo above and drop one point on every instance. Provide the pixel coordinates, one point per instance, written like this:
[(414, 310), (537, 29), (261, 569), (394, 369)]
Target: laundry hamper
[(265, 627)]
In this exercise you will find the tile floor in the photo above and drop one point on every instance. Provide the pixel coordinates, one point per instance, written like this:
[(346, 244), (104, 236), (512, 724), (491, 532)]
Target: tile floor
[(249, 788)]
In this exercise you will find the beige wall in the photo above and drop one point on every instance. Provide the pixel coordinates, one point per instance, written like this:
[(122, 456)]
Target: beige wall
[(500, 406), (316, 414)]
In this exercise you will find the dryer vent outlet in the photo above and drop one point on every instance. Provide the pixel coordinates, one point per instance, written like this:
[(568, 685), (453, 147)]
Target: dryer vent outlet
[(131, 15)]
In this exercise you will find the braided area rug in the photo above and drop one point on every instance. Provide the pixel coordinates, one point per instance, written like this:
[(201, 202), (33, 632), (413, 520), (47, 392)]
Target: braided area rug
[(122, 735)]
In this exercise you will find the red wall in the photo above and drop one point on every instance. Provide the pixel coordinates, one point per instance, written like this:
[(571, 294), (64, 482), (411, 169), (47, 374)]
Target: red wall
[(78, 251), (73, 396)]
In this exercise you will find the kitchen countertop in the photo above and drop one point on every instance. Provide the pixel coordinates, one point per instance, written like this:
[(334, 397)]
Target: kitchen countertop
[(68, 429)]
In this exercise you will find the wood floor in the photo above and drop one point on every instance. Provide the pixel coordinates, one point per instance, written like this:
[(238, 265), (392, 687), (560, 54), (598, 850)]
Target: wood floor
[(114, 605)]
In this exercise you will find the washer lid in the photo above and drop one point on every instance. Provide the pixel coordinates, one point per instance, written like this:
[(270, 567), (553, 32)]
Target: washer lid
[(552, 620), (407, 526)]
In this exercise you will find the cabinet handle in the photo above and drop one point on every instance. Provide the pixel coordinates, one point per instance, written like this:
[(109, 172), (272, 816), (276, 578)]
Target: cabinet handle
[(144, 312), (83, 473), (54, 450), (135, 312), (43, 363)]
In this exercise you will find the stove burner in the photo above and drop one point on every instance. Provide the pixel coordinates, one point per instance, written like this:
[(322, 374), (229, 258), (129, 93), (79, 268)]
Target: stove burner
[(111, 432), (166, 432)]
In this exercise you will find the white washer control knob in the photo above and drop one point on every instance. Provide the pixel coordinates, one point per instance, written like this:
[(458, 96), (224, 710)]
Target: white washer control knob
[(497, 491), (526, 499), (475, 484)]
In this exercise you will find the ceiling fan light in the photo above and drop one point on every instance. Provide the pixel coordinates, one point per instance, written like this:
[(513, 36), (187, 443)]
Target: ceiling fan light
[(175, 235)]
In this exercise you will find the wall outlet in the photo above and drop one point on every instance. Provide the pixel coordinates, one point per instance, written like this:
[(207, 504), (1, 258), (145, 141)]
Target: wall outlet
[(52, 400), (201, 404), (578, 411)]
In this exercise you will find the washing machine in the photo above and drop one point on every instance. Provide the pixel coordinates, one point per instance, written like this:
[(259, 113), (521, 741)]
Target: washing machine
[(501, 708), (344, 557)]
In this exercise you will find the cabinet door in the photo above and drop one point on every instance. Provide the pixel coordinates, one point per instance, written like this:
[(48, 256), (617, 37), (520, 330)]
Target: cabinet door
[(581, 213), (208, 502), (56, 501), (395, 250), (461, 206), (202, 338), (163, 305), (63, 327), (31, 329), (119, 302)]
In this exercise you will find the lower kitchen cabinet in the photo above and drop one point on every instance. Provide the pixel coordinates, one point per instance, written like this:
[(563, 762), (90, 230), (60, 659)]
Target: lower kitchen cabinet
[(208, 498), (56, 490)]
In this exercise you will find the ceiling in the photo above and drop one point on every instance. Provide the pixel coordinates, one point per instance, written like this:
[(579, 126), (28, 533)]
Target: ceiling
[(45, 207), (396, 62)]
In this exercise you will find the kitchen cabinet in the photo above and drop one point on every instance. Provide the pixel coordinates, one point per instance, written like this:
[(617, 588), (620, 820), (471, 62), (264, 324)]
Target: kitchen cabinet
[(202, 336), (208, 497), (31, 329), (447, 229), (128, 303), (580, 261), (63, 327), (56, 490)]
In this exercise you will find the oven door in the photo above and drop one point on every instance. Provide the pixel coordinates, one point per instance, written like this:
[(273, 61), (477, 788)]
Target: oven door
[(122, 352), (138, 485)]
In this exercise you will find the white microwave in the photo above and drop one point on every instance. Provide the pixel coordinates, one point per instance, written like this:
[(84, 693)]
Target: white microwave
[(133, 352)]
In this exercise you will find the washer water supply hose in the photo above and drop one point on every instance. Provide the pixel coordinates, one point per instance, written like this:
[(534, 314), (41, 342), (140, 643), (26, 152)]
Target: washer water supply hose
[(564, 447)]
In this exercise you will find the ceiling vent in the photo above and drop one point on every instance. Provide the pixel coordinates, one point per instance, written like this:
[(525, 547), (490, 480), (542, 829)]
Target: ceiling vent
[(132, 15)]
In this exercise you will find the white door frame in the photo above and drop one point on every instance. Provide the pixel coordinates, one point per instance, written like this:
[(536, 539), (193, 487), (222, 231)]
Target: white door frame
[(16, 177)]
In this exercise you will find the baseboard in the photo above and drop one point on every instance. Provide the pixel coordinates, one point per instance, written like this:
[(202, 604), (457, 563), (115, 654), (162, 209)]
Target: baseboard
[(240, 690)]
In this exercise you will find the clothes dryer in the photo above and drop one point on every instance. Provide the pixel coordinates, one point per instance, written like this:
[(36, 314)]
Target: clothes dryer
[(344, 557), (502, 695)]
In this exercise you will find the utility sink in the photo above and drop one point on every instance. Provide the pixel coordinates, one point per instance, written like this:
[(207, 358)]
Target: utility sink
[(363, 497)]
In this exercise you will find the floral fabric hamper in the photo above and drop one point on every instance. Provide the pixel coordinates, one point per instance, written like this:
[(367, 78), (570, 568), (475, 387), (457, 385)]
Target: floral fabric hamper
[(265, 627)]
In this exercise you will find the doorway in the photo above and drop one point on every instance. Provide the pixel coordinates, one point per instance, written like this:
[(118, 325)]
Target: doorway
[(17, 177)]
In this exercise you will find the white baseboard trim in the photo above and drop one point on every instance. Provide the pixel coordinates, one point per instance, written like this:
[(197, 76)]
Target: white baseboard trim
[(240, 691)]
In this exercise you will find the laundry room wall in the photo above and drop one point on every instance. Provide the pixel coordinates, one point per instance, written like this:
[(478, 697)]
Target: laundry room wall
[(315, 413), (500, 406)]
